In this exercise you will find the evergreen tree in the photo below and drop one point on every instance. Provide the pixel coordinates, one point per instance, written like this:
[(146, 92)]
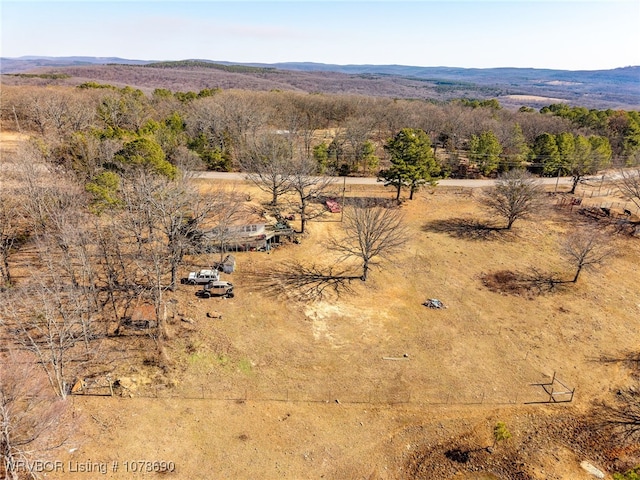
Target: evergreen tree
[(321, 156), (515, 150), (566, 151), (413, 162), (146, 154), (484, 151), (545, 153)]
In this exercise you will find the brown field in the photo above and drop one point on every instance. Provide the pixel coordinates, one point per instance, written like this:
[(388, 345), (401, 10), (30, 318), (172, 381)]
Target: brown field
[(279, 389), (372, 384)]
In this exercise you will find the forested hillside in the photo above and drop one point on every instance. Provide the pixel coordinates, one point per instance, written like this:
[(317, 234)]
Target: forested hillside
[(345, 134), (514, 87)]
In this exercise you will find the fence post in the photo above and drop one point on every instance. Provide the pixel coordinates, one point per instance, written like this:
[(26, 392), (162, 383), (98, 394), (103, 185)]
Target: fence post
[(601, 182)]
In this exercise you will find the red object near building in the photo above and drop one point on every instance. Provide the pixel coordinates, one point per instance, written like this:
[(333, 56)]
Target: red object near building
[(333, 205)]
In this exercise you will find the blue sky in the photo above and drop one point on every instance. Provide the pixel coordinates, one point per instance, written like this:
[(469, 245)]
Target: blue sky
[(568, 35)]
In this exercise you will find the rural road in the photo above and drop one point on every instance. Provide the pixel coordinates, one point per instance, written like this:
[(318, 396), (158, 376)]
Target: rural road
[(450, 182)]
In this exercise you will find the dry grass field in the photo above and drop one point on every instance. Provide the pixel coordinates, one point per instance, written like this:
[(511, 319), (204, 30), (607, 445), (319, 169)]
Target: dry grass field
[(282, 389), (372, 384)]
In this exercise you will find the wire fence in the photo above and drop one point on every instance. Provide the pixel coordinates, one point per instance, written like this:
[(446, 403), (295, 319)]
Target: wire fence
[(533, 393), (596, 196)]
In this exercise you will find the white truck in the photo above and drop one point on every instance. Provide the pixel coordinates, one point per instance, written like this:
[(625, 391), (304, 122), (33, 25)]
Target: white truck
[(202, 277)]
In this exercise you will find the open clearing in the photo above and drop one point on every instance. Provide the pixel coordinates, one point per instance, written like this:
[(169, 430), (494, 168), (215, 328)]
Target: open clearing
[(372, 384), (280, 389)]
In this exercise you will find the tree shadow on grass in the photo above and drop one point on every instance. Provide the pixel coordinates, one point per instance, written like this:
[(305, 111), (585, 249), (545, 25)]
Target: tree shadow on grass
[(619, 417), (463, 455), (470, 229), (304, 283), (458, 455), (527, 284), (629, 359)]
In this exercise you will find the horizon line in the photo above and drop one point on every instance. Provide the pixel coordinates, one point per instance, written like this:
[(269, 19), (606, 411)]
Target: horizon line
[(308, 62)]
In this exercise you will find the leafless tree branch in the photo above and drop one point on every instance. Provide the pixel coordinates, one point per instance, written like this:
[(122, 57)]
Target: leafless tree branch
[(30, 415), (516, 195), (586, 248), (629, 185), (370, 232)]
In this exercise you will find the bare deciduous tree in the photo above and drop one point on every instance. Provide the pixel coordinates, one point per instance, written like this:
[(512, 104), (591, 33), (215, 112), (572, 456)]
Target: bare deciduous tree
[(268, 163), (629, 185), (622, 417), (371, 232), (47, 321), (301, 116), (359, 150), (118, 273), (165, 217), (29, 416), (517, 194), (178, 212), (226, 217), (309, 187), (187, 161), (586, 249), (242, 114), (10, 232)]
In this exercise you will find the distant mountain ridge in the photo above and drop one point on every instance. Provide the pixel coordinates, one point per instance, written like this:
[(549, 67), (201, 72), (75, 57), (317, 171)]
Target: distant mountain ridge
[(615, 88), (29, 62)]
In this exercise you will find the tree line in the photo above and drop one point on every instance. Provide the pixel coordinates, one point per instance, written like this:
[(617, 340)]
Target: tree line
[(345, 134)]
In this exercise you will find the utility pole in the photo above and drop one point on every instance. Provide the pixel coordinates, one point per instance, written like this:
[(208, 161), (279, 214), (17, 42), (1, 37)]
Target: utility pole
[(344, 188)]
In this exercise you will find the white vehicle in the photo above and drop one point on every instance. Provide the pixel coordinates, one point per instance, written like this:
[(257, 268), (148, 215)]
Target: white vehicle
[(202, 277)]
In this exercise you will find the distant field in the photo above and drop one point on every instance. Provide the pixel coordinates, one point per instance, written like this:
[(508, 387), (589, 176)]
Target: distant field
[(525, 99)]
